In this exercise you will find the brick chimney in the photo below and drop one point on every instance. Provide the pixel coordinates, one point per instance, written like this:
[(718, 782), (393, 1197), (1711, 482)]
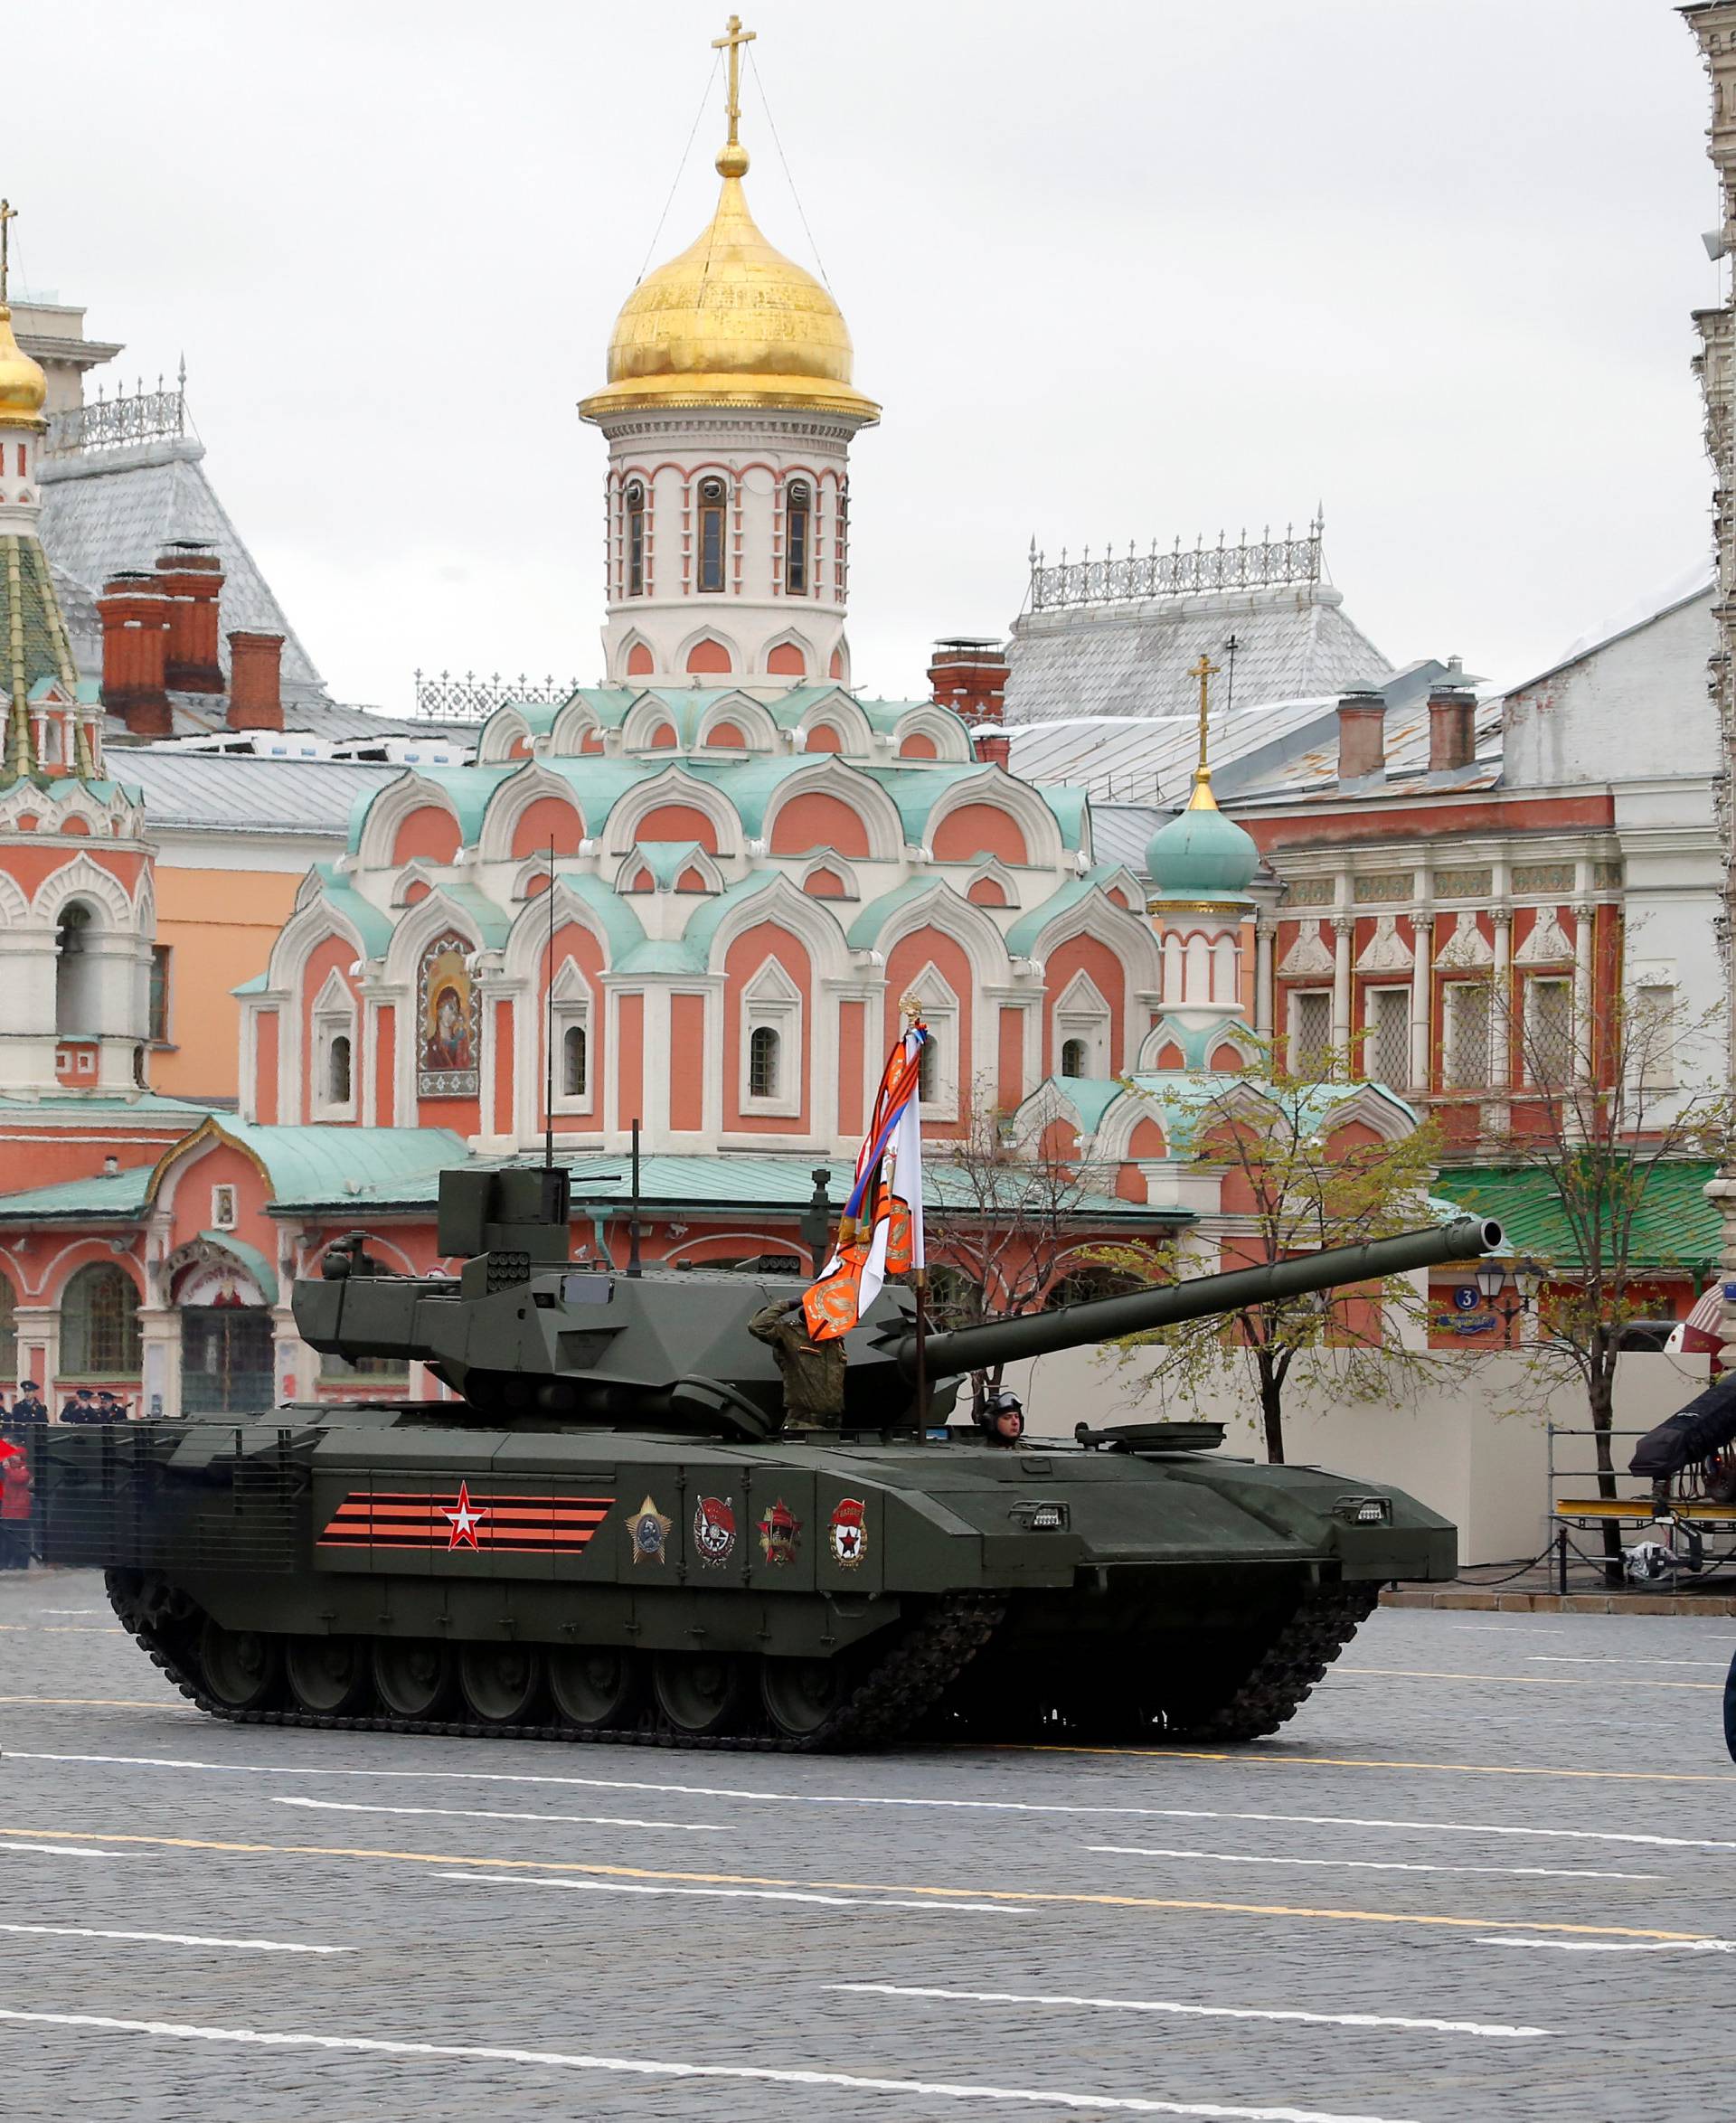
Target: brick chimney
[(255, 690), (135, 615), (192, 576), (1452, 722), (968, 675), (1362, 734)]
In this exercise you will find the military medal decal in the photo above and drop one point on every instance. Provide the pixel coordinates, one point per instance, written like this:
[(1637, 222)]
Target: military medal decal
[(780, 1533), (715, 1529), (648, 1531), (849, 1533)]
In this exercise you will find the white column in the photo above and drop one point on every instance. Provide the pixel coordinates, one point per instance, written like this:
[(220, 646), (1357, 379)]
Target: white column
[(1263, 937), (1583, 915), (1344, 927), (1423, 959), (1499, 1043)]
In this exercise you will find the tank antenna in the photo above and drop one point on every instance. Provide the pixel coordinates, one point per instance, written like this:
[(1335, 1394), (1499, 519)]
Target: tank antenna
[(548, 1032)]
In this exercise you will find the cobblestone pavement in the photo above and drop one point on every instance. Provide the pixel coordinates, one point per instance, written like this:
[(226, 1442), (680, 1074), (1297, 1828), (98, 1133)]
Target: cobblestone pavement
[(1480, 1876)]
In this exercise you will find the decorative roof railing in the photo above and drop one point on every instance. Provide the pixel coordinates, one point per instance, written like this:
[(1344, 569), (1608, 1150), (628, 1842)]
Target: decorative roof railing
[(1182, 571), (118, 423), (449, 698)]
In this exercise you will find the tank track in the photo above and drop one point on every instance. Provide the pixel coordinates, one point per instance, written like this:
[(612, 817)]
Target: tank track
[(909, 1680), (1281, 1679)]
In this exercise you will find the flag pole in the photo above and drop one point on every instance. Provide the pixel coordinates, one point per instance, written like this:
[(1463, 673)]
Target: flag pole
[(912, 1010)]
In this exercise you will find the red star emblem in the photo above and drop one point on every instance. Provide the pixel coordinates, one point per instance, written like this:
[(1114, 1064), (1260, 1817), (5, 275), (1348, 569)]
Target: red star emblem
[(463, 1521)]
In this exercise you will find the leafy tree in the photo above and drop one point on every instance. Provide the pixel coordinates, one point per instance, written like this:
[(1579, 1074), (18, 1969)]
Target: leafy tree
[(1008, 1217), (1299, 1174), (1608, 1097)]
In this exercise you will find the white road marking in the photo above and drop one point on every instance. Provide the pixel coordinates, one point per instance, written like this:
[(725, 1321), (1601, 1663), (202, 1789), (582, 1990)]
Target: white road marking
[(1550, 1658), (840, 1902), (171, 1939), (1182, 1813), (662, 2068), (62, 1849), (1507, 1680), (482, 1813), (1226, 1858), (84, 1611), (822, 1799), (1493, 2030), (1603, 1945)]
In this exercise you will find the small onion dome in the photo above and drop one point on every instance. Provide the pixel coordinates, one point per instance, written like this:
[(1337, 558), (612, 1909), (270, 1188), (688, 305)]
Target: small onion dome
[(731, 322), (23, 388), (1201, 853)]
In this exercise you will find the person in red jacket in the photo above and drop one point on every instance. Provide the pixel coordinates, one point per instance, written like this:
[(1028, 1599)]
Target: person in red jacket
[(15, 1507)]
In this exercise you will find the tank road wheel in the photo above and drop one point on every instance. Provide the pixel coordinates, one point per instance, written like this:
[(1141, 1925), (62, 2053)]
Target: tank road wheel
[(801, 1694), (328, 1676), (701, 1694), (413, 1678), (502, 1682), (242, 1666), (595, 1691)]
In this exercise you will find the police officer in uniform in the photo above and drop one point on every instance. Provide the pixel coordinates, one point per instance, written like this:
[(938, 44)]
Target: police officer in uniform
[(812, 1371), (28, 1408)]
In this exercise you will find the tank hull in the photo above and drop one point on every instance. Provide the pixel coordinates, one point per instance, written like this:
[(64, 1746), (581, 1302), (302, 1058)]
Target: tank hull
[(394, 1567)]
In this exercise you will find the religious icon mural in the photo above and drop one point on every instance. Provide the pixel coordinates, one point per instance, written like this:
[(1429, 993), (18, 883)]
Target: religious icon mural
[(446, 1022)]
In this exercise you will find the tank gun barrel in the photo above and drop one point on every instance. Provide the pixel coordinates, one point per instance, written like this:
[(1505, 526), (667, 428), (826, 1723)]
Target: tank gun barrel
[(1102, 1319)]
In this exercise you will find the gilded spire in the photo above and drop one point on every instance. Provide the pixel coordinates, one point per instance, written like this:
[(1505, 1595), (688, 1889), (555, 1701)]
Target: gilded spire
[(733, 157), (23, 388), (1205, 670)]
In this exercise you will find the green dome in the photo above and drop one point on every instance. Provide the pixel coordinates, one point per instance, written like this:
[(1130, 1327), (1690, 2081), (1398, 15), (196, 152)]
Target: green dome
[(1201, 854)]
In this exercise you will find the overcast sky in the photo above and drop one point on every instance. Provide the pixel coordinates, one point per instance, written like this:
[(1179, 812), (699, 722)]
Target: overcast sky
[(1123, 270)]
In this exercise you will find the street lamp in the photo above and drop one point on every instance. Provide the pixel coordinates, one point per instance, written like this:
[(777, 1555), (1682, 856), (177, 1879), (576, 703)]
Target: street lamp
[(1525, 1279)]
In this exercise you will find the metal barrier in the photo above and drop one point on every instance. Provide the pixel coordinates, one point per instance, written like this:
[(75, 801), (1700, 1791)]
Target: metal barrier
[(1683, 1505)]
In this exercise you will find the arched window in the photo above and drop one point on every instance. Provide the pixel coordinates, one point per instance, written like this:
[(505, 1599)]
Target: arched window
[(762, 1063), (841, 540), (635, 540), (337, 1071), (928, 1069), (710, 535), (572, 1062), (1072, 1057), (72, 971), (100, 1323), (8, 1334), (798, 516)]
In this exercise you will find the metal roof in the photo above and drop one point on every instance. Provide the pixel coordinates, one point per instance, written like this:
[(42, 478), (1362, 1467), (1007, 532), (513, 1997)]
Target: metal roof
[(1293, 642), (118, 509), (220, 792), (1674, 1227)]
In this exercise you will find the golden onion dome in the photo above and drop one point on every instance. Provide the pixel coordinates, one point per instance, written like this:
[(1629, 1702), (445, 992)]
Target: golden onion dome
[(23, 388), (731, 322)]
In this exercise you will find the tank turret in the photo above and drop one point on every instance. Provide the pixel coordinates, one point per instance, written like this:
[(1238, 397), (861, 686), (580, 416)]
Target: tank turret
[(528, 1338)]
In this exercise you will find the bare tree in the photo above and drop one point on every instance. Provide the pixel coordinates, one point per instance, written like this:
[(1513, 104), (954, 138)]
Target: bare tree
[(1294, 1185), (1606, 1099), (1006, 1215)]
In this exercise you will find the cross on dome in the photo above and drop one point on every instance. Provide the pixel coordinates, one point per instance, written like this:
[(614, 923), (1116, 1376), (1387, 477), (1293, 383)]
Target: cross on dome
[(733, 157)]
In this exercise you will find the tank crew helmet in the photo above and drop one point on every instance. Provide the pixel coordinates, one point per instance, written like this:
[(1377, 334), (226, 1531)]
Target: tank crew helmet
[(1002, 1417)]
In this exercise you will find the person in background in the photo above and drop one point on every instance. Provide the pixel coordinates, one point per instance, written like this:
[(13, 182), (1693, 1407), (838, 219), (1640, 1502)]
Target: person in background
[(28, 1408), (15, 1507), (81, 1407), (110, 1407)]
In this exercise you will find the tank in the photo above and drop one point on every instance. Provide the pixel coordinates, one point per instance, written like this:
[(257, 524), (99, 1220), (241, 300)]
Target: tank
[(607, 1538)]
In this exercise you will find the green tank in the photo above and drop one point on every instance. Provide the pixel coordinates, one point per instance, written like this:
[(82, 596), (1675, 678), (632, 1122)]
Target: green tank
[(607, 1538)]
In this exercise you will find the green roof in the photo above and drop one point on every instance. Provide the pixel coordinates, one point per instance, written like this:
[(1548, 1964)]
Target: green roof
[(119, 1197), (1674, 1226)]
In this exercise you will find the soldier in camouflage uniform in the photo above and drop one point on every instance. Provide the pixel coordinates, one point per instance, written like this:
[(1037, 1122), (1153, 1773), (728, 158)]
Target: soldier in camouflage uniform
[(812, 1371)]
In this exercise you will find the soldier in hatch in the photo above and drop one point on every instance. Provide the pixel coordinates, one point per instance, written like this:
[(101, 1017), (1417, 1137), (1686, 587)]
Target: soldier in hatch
[(812, 1371)]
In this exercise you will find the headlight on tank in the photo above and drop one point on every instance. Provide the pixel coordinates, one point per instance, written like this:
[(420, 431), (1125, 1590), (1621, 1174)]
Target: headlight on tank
[(1364, 1511), (1038, 1517)]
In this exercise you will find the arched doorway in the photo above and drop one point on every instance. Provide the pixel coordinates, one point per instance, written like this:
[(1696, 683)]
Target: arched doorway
[(226, 1343)]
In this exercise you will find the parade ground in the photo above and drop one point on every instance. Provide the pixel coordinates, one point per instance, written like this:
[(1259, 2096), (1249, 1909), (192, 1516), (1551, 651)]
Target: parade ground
[(1481, 1874)]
